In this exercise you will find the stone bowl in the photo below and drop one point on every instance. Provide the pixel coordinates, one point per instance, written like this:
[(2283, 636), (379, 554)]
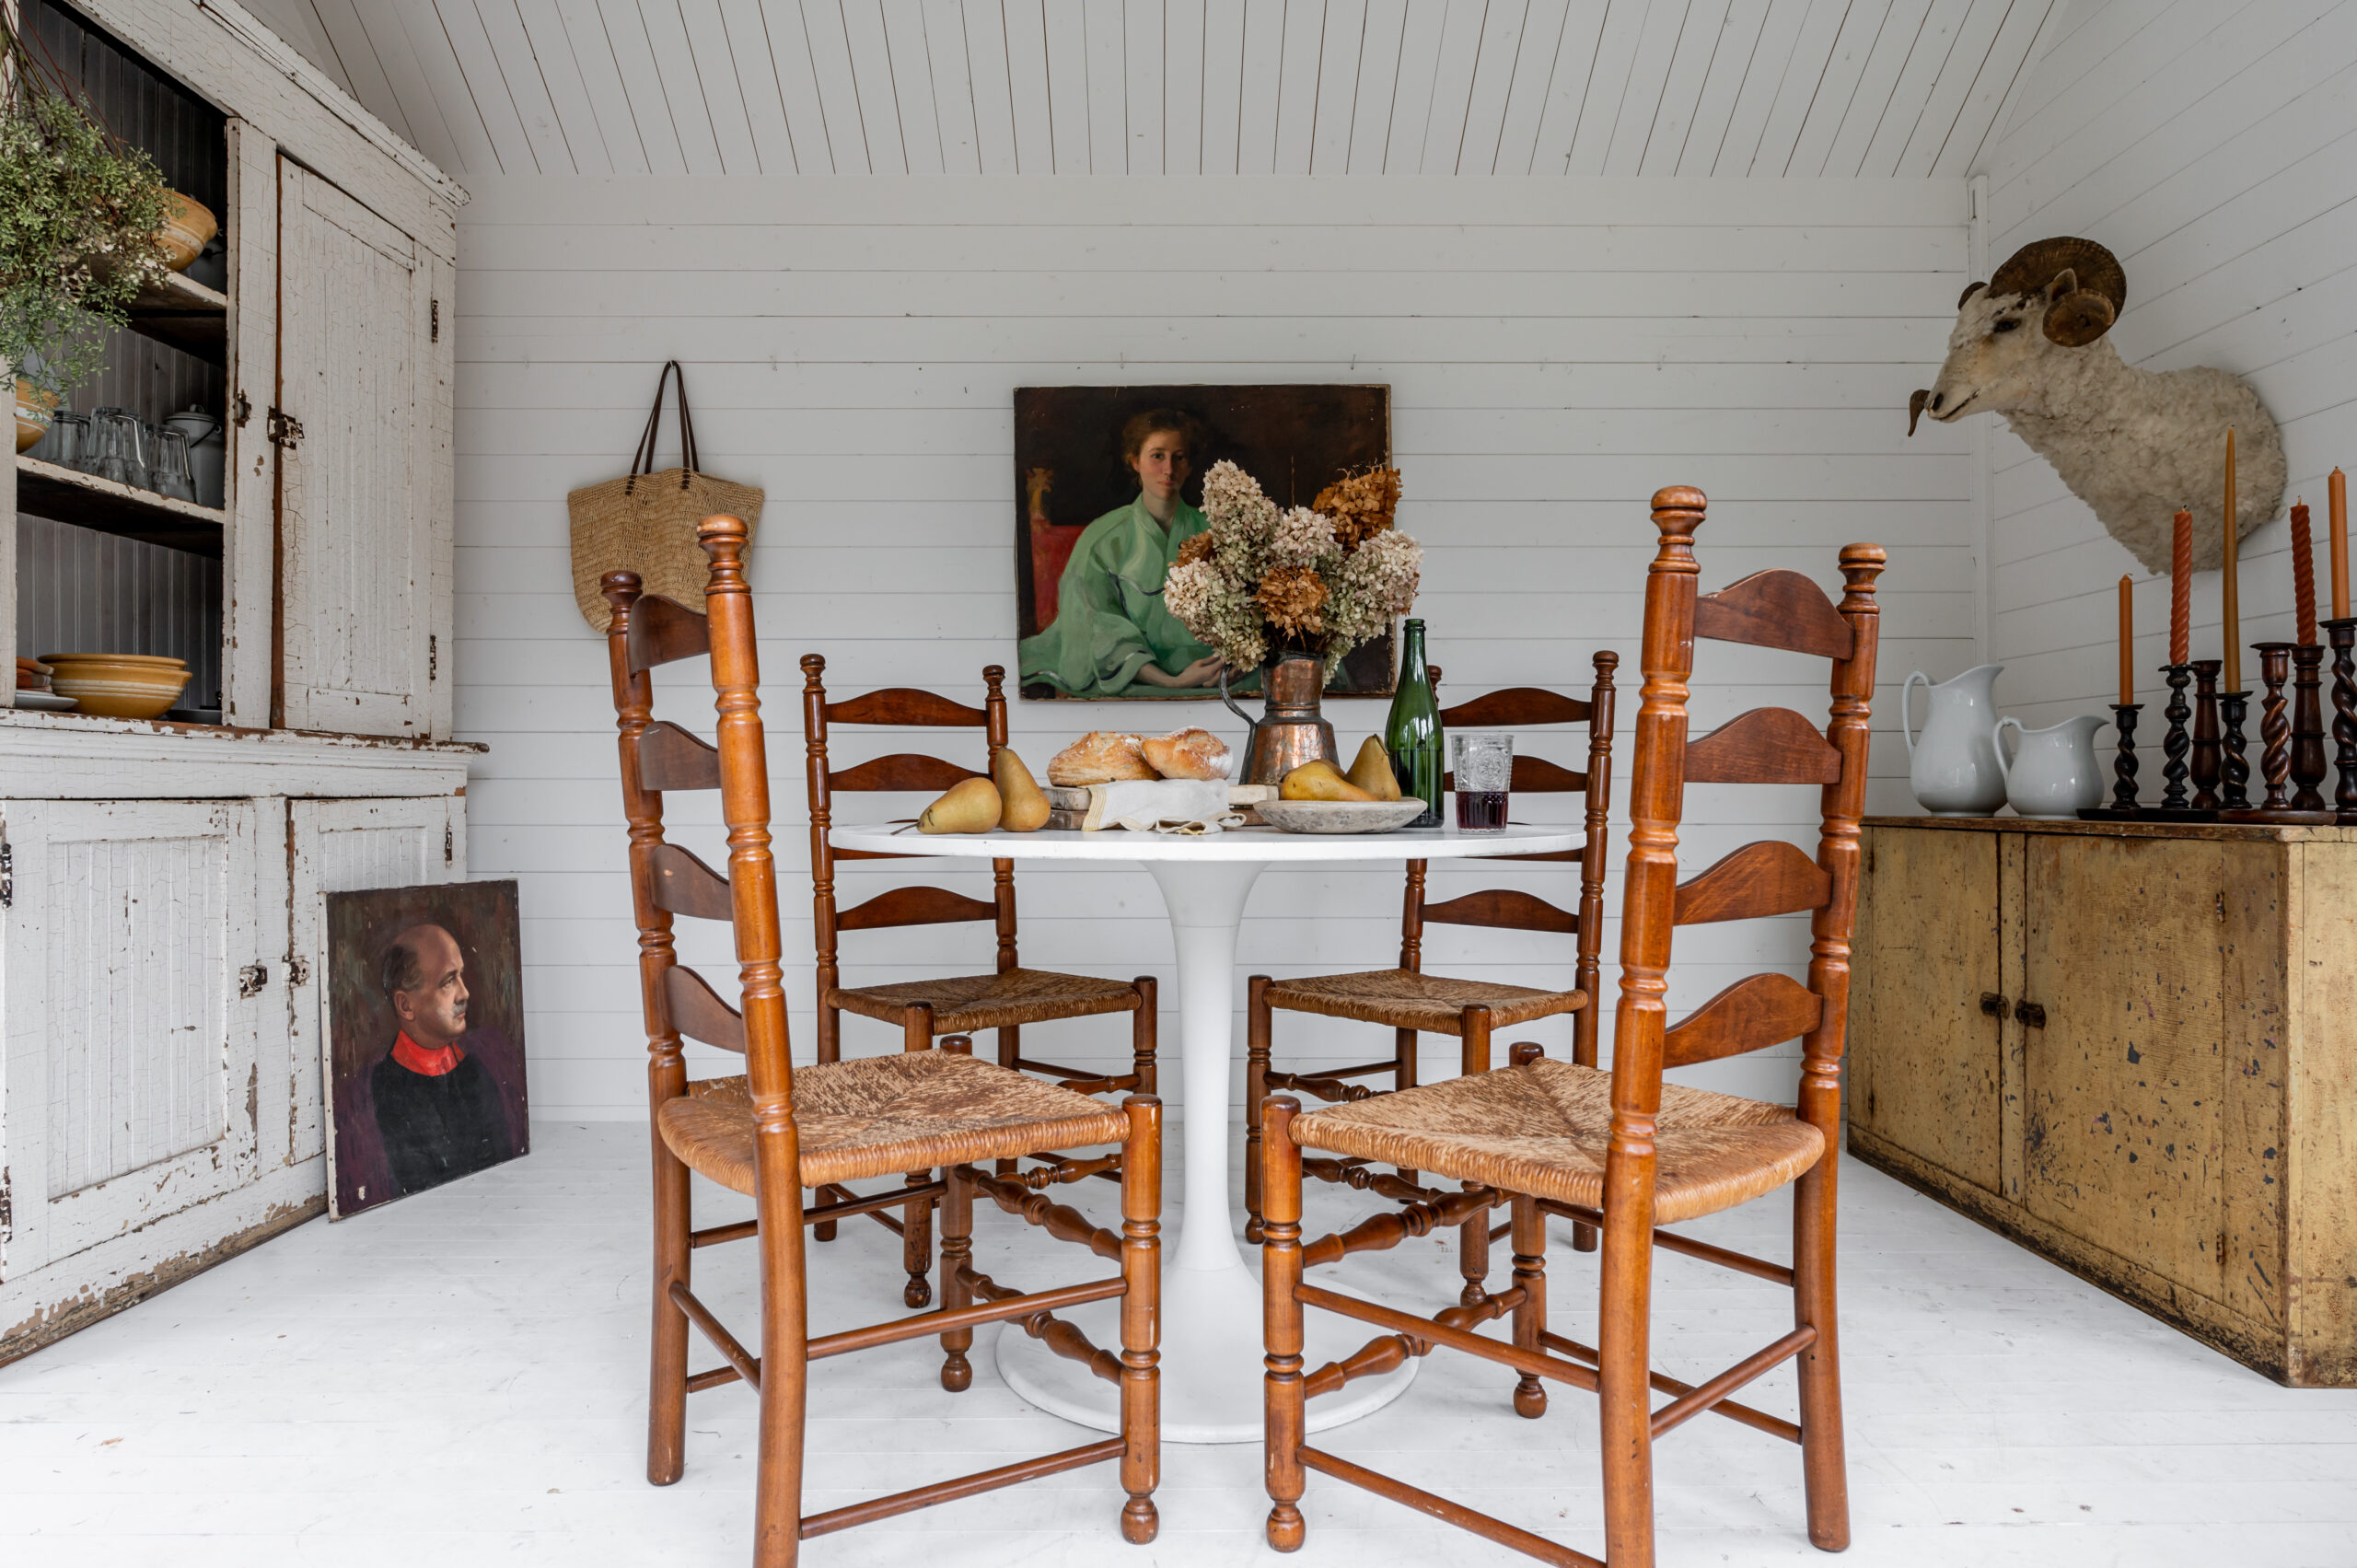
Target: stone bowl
[(118, 686), (1339, 816)]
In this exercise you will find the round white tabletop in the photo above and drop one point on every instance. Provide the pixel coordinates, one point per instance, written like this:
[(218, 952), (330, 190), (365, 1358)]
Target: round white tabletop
[(1211, 1300)]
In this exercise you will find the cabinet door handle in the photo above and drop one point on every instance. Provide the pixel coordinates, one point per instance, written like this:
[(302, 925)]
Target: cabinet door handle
[(1992, 1005), (2030, 1012)]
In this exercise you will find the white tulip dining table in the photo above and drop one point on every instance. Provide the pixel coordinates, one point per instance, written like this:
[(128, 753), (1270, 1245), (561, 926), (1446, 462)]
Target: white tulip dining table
[(1211, 1300)]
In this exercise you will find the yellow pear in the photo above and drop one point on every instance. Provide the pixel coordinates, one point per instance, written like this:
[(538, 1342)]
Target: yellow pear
[(1371, 770), (970, 806), (1023, 805), (1319, 781)]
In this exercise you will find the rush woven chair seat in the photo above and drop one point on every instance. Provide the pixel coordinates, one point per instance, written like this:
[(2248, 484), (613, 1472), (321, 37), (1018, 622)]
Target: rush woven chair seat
[(1621, 1152), (772, 1132), (967, 1004), (1411, 1002)]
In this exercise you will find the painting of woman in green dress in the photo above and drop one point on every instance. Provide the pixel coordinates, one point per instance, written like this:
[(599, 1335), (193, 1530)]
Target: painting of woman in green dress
[(1111, 637)]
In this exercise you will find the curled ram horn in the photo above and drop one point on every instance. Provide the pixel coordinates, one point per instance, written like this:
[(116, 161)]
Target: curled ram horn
[(1970, 290), (2085, 286), (1915, 403)]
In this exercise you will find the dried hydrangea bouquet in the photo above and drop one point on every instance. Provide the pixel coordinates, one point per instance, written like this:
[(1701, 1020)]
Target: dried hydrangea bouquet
[(1291, 592)]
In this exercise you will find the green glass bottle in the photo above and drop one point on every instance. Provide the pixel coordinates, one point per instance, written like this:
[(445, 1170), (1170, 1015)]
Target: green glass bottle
[(1413, 734)]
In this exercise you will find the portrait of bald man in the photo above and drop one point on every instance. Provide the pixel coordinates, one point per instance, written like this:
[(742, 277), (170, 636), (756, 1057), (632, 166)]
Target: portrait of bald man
[(438, 1109)]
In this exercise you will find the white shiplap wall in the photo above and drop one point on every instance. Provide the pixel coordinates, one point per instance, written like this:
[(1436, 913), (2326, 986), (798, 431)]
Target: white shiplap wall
[(1556, 350), (2214, 150)]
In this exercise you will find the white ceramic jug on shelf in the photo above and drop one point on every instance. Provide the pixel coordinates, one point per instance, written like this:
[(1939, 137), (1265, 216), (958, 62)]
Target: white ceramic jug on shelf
[(2054, 773), (1952, 765)]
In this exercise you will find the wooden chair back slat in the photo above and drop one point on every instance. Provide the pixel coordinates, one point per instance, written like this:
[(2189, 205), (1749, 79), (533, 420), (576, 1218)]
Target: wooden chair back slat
[(699, 1013), (1753, 1013), (901, 771), (664, 632), (669, 757), (1764, 746), (914, 906), (1776, 608), (1771, 876), (1514, 707), (1506, 909), (908, 706), (1535, 775), (685, 884)]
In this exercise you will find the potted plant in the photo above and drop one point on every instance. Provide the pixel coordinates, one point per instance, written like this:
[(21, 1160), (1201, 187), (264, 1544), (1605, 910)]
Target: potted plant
[(1290, 593), (80, 215)]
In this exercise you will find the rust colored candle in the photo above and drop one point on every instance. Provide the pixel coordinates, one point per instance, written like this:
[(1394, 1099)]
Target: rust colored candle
[(2127, 643), (2231, 600), (2181, 590), (2304, 575), (2337, 520)]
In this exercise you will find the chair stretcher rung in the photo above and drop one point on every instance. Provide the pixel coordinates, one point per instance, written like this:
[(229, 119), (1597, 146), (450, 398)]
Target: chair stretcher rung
[(961, 1486), (1424, 1329), (925, 1323), (1706, 1395), (1441, 1508), (1668, 1241), (743, 1362), (1758, 1420)]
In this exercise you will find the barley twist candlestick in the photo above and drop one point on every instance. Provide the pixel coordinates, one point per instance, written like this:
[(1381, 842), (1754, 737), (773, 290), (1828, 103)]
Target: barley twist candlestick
[(2307, 727), (2234, 766), (2275, 725), (2123, 764), (2174, 743), (2205, 733), (2343, 633)]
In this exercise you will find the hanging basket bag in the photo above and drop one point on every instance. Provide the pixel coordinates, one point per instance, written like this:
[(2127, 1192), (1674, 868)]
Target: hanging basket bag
[(646, 522)]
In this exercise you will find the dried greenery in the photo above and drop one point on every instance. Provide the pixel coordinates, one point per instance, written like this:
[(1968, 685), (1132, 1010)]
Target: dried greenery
[(1313, 580), (80, 212)]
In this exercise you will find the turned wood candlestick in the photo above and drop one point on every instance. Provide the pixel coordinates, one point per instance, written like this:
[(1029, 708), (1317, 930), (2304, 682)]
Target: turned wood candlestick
[(2174, 742), (2275, 725), (2205, 732), (2343, 634), (2233, 765), (2307, 727), (2123, 764)]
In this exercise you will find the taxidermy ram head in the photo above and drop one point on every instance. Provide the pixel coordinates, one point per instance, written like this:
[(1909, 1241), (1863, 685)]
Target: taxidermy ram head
[(2033, 345)]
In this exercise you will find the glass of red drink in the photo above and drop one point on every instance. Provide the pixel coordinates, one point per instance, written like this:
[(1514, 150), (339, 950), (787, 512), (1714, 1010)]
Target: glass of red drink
[(1484, 772)]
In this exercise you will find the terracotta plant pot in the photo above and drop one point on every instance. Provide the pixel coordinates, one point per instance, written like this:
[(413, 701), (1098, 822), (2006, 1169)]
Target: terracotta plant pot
[(187, 232), (35, 408), (118, 686)]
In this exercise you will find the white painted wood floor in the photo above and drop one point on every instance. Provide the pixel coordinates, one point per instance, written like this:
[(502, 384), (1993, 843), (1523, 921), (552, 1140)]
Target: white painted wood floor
[(459, 1379)]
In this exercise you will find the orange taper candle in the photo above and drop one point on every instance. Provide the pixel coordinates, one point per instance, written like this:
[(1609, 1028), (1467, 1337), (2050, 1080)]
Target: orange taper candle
[(2304, 576), (2181, 590), (2126, 643), (2231, 600), (2337, 496)]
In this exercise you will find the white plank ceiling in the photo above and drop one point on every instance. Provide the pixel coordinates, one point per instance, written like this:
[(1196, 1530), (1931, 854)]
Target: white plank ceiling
[(1763, 89)]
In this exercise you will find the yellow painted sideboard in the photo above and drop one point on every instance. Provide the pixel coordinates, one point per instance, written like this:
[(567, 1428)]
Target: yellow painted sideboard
[(2132, 1049)]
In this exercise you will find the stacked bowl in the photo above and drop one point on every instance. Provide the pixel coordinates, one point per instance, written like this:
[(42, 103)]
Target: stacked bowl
[(118, 686)]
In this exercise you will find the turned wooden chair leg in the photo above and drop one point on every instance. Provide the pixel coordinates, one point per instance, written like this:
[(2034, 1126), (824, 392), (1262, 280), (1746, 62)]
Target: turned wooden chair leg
[(1145, 1030), (1473, 1236), (1823, 1464), (785, 1363), (1010, 1050), (1529, 1240), (957, 1254), (831, 1023), (1257, 1025), (1141, 1317), (1404, 1078), (916, 1222), (666, 1402), (1625, 1389), (1287, 1397)]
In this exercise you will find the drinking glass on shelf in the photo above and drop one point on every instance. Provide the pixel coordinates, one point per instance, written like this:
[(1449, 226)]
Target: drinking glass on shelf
[(121, 456), (1484, 773), (69, 440), (170, 469)]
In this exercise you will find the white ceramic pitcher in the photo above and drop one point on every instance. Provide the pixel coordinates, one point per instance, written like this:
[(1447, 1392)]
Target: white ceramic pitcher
[(1952, 766), (2054, 773)]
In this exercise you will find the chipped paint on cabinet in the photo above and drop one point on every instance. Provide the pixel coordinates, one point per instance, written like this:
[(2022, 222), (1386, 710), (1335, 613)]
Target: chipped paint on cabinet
[(2175, 1118)]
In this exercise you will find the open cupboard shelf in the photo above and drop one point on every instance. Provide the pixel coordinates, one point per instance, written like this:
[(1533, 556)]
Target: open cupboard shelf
[(185, 314), (66, 496)]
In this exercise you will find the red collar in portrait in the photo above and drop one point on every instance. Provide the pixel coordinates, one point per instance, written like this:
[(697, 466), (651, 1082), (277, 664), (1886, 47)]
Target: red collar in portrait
[(430, 1064)]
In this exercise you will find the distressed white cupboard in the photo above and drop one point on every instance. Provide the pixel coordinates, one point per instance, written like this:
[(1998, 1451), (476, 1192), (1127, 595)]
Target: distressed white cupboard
[(160, 883)]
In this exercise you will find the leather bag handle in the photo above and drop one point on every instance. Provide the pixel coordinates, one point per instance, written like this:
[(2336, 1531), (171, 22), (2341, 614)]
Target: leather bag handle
[(643, 461)]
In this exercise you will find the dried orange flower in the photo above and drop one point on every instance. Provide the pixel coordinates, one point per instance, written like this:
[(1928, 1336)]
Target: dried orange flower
[(1360, 503), (1292, 598), (1197, 548)]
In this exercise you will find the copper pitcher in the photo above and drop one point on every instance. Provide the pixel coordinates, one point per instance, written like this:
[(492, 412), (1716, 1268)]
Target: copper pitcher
[(1289, 731)]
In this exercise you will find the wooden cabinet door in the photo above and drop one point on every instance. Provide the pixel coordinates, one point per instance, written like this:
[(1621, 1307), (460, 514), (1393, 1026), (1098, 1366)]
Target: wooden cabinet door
[(356, 503), (338, 846), (2123, 950), (1924, 1054), (138, 985)]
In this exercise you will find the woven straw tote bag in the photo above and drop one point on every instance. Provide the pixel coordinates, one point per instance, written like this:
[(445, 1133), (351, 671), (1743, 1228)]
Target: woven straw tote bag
[(646, 522)]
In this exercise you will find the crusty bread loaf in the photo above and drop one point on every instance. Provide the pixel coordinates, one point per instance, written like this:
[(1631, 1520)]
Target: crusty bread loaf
[(1102, 755), (1188, 754)]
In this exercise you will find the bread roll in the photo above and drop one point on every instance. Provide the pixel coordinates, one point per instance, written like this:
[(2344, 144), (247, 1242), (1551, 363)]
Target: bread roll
[(1188, 754), (1102, 755)]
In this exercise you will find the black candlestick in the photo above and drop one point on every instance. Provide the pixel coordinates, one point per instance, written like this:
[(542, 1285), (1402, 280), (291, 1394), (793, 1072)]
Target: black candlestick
[(2175, 742), (2344, 634), (2275, 724), (2308, 729), (2234, 766), (2123, 764), (2205, 733)]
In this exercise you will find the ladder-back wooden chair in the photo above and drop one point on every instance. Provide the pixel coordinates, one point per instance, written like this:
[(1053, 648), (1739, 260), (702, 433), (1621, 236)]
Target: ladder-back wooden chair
[(776, 1131), (924, 1010), (1623, 1151), (1410, 1000)]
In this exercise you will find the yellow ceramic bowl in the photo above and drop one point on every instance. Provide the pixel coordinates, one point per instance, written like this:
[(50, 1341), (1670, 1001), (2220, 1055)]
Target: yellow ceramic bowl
[(35, 408), (118, 686), (186, 233)]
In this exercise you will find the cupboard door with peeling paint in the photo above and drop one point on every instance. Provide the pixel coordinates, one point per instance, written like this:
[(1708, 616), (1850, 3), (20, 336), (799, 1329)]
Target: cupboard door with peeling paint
[(138, 981), (355, 397), (340, 846)]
